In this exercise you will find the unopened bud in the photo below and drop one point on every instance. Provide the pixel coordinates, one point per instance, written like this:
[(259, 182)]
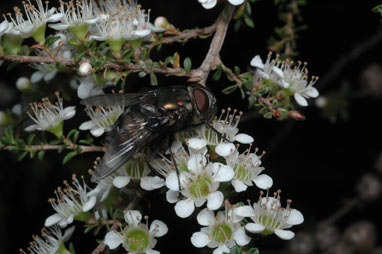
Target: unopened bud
[(361, 236), (23, 84), (161, 22), (4, 119), (369, 188), (85, 69)]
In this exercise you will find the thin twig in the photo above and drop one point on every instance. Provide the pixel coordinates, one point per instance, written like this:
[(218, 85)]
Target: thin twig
[(83, 149), (213, 53)]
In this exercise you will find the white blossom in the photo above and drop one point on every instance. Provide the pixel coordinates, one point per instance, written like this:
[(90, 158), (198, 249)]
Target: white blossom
[(23, 83), (291, 77), (247, 170), (136, 237), (269, 217), (71, 203), (221, 231), (50, 242), (208, 4), (35, 22), (102, 119), (44, 71), (50, 117)]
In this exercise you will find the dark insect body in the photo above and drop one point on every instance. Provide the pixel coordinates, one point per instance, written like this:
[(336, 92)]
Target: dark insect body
[(150, 119)]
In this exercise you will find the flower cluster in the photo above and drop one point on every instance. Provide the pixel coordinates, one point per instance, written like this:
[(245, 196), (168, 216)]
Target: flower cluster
[(293, 79)]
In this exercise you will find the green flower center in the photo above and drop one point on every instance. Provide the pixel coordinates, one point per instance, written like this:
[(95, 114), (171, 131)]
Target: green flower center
[(241, 173), (137, 240), (39, 34), (79, 31), (135, 168), (200, 187), (57, 129), (222, 233), (269, 223), (116, 45)]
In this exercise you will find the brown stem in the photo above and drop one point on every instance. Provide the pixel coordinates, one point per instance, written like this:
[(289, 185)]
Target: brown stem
[(83, 149), (216, 45)]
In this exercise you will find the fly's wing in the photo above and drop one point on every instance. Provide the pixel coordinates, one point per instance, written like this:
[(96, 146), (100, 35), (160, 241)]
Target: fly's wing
[(132, 132), (111, 100)]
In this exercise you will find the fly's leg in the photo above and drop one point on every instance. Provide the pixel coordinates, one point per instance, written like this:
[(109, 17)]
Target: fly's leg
[(218, 133)]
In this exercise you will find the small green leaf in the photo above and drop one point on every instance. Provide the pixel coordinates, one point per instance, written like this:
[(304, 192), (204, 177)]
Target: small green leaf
[(62, 148), (55, 142), (89, 228), (153, 79), (249, 22), (235, 250), (237, 70), (268, 115), (79, 56), (22, 155), (12, 65), (32, 153), (229, 89), (71, 248), (68, 156), (217, 74), (41, 154), (187, 64), (253, 251)]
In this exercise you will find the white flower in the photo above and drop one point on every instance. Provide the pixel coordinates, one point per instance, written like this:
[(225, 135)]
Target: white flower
[(199, 186), (44, 71), (269, 217), (51, 241), (136, 237), (102, 118), (35, 22), (85, 69), (287, 75), (76, 17), (50, 117), (247, 170), (208, 4), (226, 125), (137, 169), (221, 232), (72, 203)]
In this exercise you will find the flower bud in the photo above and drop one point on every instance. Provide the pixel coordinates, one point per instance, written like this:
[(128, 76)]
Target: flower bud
[(369, 188), (161, 22), (361, 236), (85, 69), (4, 119), (23, 84)]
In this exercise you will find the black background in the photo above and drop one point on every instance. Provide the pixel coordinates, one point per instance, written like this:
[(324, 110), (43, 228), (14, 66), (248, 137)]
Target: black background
[(316, 163)]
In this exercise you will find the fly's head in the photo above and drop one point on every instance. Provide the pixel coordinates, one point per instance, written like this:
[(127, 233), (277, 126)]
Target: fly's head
[(204, 103)]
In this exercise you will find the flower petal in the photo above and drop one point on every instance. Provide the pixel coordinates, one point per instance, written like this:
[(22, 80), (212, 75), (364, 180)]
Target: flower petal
[(37, 76), (209, 4), (238, 185), (159, 228), (55, 17), (295, 217), (205, 217), (58, 26), (236, 2), (221, 249), (52, 220), (263, 181), (254, 227), (133, 217), (69, 112), (244, 211), (225, 149), (151, 251), (32, 127), (222, 173), (87, 125), (89, 204), (68, 233), (215, 200), (97, 132), (240, 237), (197, 143), (172, 181), (113, 239), (284, 234), (49, 76), (151, 182), (300, 100), (199, 239), (172, 196), (311, 92), (121, 181), (243, 138), (184, 208), (278, 71)]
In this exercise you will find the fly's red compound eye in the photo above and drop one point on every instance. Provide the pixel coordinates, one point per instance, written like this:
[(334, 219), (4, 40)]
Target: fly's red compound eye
[(201, 100)]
